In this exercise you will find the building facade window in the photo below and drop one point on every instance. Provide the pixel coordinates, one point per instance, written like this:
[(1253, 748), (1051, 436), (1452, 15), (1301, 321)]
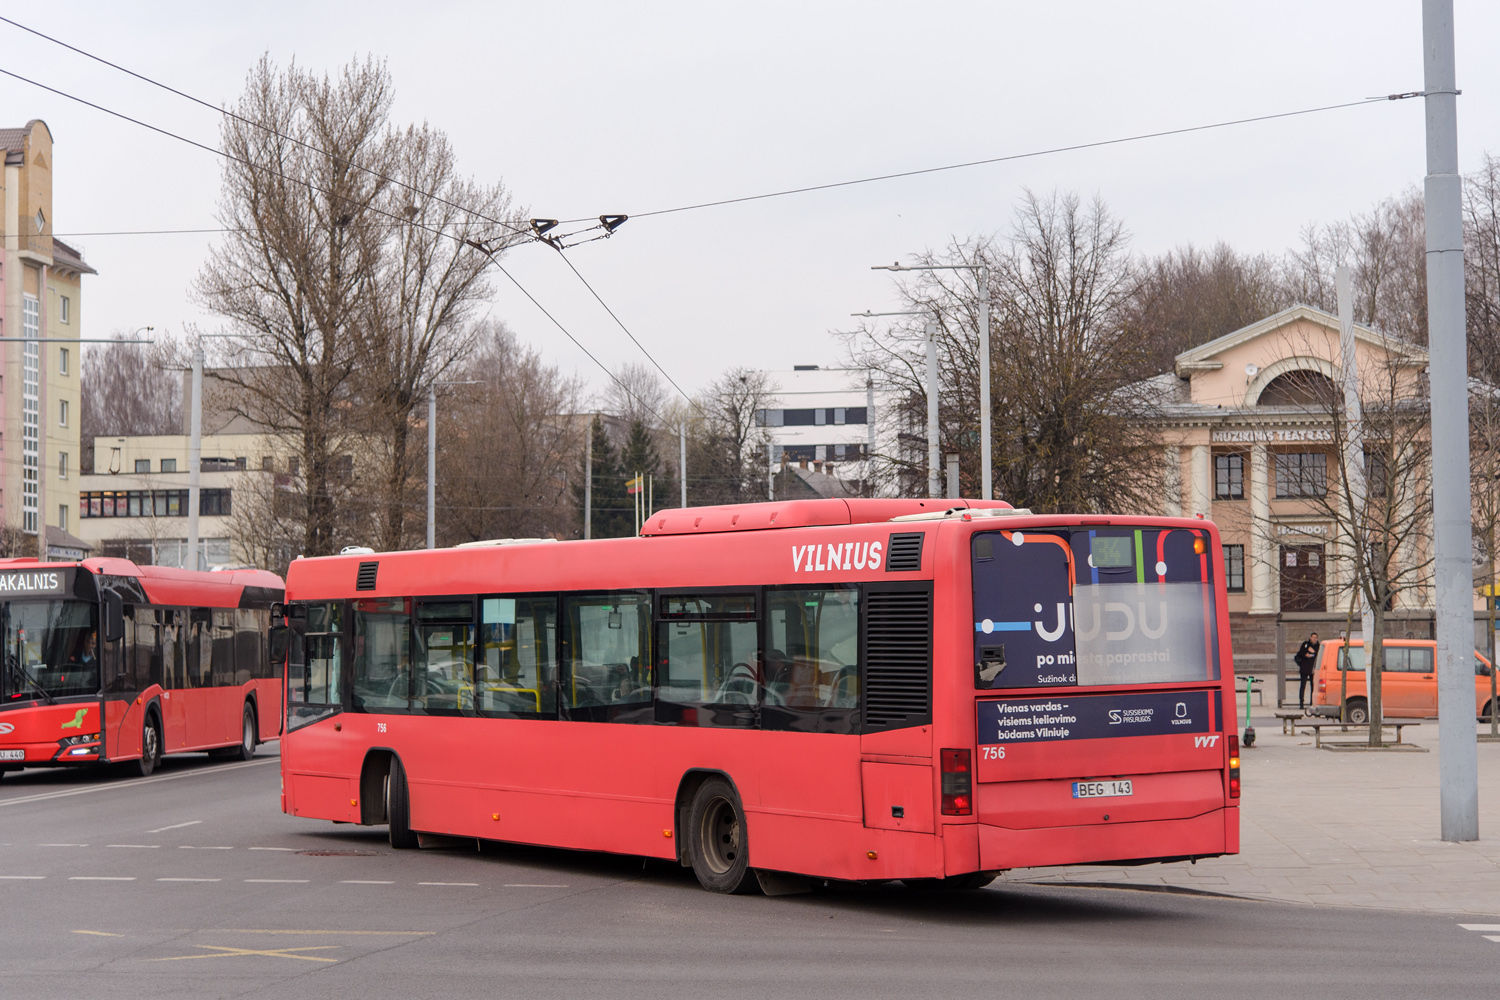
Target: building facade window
[(62, 516), (1301, 474), (62, 359), (62, 465), (62, 413), (66, 312), (31, 415), (169, 465), (152, 503), (143, 465), (1229, 477), (1234, 568)]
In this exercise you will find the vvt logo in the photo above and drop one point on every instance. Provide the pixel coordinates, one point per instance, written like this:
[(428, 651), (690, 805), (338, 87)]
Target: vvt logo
[(1206, 741), (6, 728)]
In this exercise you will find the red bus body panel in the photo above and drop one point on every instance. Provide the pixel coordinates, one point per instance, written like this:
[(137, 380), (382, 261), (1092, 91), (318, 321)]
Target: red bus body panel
[(815, 804)]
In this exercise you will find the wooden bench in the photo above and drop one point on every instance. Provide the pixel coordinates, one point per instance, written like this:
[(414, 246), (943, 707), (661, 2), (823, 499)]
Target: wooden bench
[(1318, 727), (1288, 722)]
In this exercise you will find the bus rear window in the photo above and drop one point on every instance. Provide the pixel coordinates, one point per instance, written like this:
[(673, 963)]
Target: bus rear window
[(1085, 607)]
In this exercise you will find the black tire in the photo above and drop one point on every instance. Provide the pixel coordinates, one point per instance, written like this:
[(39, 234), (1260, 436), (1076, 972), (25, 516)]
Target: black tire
[(150, 746), (1357, 712), (952, 883), (398, 808), (248, 737), (1489, 707), (717, 844)]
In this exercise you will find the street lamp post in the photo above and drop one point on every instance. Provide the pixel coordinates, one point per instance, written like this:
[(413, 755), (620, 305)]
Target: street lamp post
[(195, 454), (432, 456), (982, 281), (929, 330)]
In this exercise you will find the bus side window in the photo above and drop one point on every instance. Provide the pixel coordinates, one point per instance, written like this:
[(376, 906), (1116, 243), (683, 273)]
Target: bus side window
[(199, 648), (607, 653), (315, 678), (248, 651), (174, 663), (223, 647), (812, 660), (442, 655), (382, 653), (146, 649), (517, 656), (708, 659)]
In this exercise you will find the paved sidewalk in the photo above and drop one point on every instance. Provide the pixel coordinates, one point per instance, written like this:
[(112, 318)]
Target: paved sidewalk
[(1339, 828)]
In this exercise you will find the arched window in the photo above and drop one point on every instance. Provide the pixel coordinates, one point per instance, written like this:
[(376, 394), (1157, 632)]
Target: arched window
[(1300, 388)]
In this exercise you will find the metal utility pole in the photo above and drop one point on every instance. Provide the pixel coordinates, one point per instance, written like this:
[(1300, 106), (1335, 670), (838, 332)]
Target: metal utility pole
[(588, 483), (1354, 453), (682, 458), (1458, 762), (934, 488), (195, 458)]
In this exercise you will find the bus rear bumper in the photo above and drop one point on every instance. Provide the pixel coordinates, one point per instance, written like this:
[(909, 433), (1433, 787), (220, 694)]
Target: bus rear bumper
[(1212, 833)]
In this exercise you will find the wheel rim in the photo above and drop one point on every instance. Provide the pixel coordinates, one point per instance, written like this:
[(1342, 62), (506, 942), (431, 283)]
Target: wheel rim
[(249, 735), (719, 837), (150, 740)]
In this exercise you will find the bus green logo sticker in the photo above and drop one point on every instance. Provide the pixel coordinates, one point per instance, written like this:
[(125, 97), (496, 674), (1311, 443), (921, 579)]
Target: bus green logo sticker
[(77, 722)]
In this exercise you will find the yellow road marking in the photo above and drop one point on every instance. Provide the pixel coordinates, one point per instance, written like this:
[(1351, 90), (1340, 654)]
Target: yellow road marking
[(222, 952), (99, 933)]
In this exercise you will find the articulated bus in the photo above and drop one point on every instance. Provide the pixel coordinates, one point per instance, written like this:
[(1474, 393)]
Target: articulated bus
[(781, 693), (107, 661)]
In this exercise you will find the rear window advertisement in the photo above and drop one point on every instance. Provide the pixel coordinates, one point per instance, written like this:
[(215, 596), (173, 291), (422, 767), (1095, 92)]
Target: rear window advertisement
[(1065, 608)]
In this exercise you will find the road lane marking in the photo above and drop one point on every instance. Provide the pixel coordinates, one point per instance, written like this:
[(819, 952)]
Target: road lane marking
[(363, 881), (222, 952), (448, 883), (19, 877), (142, 846), (62, 845), (200, 847), (1480, 927), (531, 885), (279, 881), (136, 783), (101, 878), (189, 880), (99, 933), (175, 826), (273, 848), (232, 930)]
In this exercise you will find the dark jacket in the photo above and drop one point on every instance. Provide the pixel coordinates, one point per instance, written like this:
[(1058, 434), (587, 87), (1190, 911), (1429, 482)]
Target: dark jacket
[(1307, 656)]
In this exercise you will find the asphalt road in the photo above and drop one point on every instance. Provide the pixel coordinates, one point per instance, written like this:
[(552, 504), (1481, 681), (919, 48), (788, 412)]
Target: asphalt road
[(192, 884)]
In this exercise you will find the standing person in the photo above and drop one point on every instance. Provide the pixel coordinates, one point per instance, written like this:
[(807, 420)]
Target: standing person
[(1306, 659)]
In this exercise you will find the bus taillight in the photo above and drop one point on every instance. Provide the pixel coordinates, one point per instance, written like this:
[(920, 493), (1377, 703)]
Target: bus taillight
[(958, 782), (1234, 767)]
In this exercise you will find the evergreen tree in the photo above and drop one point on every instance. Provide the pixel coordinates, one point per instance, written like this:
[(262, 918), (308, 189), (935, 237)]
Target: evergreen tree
[(641, 455), (613, 510)]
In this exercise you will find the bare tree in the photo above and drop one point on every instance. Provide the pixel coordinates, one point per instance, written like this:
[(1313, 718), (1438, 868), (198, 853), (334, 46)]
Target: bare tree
[(130, 389), (636, 394), (1482, 280), (303, 246), (508, 445), (727, 440)]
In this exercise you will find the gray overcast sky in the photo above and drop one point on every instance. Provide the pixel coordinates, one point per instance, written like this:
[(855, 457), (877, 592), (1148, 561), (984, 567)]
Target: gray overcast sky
[(587, 108)]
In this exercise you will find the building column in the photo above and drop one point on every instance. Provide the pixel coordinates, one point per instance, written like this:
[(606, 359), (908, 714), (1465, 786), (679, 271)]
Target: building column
[(1172, 481), (1261, 548), (1202, 492)]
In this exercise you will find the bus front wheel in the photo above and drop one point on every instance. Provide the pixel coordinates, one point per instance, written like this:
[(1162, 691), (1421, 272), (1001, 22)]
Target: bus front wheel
[(717, 845), (398, 808), (150, 746)]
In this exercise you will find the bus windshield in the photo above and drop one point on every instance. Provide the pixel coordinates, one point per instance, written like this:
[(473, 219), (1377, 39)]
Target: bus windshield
[(1079, 607), (51, 650)]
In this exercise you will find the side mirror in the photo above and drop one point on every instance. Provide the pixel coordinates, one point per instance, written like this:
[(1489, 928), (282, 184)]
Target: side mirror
[(280, 639), (278, 610), (114, 617)]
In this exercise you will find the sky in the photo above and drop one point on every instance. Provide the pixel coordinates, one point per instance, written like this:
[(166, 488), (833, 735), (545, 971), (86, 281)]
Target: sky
[(583, 109)]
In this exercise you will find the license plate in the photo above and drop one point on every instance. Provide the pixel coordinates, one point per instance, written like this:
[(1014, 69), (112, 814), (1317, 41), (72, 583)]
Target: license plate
[(1101, 789), (12, 754)]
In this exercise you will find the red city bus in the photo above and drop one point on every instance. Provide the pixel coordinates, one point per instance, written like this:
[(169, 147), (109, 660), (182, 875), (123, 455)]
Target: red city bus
[(105, 660), (926, 690)]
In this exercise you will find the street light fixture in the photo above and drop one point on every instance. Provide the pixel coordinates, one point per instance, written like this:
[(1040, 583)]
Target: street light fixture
[(934, 487), (432, 455), (982, 281)]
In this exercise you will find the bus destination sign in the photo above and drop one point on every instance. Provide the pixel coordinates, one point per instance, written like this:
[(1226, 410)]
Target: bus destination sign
[(1011, 721), (36, 582)]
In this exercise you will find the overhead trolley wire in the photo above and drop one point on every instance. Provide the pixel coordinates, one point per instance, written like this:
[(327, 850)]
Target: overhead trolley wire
[(1007, 158), (313, 187)]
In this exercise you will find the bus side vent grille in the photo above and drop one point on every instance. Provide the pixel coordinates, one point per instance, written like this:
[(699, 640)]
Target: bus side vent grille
[(366, 578), (904, 553), (898, 659)]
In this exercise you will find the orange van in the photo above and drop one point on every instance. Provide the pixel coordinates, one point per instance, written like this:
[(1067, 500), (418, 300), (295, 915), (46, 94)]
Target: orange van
[(1408, 684)]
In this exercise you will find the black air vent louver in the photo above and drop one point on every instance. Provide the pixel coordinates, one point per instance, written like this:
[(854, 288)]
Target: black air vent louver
[(366, 578), (898, 659), (904, 553)]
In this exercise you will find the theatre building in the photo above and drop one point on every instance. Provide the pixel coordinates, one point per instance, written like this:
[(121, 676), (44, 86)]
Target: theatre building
[(1248, 435)]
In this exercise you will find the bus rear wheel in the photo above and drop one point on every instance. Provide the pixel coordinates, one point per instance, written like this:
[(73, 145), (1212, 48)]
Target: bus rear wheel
[(398, 808), (717, 845), (248, 740), (150, 746)]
